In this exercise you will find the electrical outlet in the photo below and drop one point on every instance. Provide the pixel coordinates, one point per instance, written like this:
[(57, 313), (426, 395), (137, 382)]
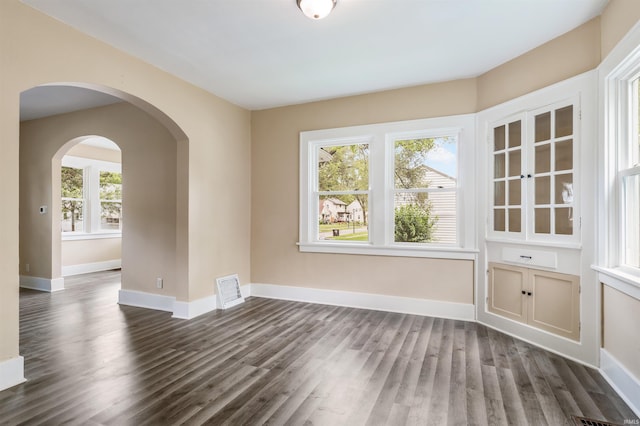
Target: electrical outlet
[(159, 283)]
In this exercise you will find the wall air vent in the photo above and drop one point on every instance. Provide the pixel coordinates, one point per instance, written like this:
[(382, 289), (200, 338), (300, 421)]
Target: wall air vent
[(229, 291)]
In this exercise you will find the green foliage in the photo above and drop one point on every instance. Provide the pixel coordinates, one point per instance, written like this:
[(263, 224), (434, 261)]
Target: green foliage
[(414, 223), (409, 167), (71, 180), (348, 170), (71, 187)]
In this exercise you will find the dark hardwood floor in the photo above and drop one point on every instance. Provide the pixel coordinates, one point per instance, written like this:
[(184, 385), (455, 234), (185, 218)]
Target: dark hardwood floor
[(89, 361)]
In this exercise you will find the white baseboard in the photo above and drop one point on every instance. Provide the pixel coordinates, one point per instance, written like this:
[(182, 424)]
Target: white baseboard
[(86, 268), (621, 379), (378, 302), (42, 284), (189, 310), (11, 372), (146, 300)]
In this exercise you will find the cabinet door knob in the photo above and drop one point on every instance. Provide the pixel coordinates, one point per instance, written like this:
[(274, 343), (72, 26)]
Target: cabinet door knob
[(529, 176), (521, 176), (529, 293), (524, 292)]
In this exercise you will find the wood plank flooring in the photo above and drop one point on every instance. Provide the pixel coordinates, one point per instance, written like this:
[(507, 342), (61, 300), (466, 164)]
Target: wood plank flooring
[(89, 361)]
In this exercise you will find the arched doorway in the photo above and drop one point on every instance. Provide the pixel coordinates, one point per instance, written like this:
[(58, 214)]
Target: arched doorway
[(154, 155)]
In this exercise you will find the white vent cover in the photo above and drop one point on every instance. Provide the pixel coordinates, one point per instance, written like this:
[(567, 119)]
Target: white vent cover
[(229, 291)]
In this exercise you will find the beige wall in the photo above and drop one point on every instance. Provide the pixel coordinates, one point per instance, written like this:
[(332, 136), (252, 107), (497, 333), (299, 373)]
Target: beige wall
[(79, 252), (95, 153), (570, 54), (617, 19), (212, 156), (620, 325), (149, 171), (275, 258)]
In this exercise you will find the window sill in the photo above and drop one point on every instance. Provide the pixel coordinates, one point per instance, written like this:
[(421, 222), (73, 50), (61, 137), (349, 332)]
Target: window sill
[(621, 279), (441, 252), (96, 236)]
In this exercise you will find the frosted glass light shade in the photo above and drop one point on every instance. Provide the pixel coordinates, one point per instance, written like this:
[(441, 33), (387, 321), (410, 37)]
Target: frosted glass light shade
[(316, 9)]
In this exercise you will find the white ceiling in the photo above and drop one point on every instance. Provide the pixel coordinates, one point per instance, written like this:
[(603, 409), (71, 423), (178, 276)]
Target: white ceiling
[(265, 53)]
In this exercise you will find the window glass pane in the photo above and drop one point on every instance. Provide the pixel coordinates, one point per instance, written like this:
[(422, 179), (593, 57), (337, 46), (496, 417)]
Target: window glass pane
[(426, 163), (111, 201), (498, 138), (425, 217), (110, 186), (72, 215), (343, 168), (564, 221), (515, 223), (498, 220), (515, 158), (72, 193), (564, 155), (498, 194), (343, 218), (543, 127), (564, 121), (498, 166), (543, 158), (564, 189), (543, 190), (515, 134), (542, 221), (111, 215), (635, 142), (515, 192), (631, 221)]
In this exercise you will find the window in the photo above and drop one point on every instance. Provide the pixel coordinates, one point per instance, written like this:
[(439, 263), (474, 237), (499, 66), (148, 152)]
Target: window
[(392, 189), (619, 203), (91, 197), (629, 184), (110, 201), (72, 180), (425, 190)]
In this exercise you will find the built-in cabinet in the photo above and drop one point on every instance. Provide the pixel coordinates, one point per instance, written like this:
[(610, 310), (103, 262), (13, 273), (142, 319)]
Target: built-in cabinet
[(543, 299), (533, 176)]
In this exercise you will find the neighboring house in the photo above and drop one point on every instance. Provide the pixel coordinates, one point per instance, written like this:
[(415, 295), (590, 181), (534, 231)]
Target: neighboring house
[(355, 211), (443, 204), (333, 210)]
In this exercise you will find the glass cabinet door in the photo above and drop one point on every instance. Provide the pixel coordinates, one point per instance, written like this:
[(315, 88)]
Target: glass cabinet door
[(553, 172), (508, 177)]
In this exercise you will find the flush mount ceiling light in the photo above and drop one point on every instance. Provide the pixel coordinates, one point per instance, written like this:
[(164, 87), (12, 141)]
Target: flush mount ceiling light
[(316, 9)]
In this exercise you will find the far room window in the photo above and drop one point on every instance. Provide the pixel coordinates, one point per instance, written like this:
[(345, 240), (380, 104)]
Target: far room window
[(72, 180), (91, 199), (389, 189), (110, 201)]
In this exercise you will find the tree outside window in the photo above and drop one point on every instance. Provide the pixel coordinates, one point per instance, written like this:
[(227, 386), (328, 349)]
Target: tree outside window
[(72, 184)]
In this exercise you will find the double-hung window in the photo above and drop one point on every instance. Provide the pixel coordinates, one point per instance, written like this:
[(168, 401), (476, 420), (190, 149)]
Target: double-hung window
[(91, 197), (390, 189), (628, 181), (620, 191)]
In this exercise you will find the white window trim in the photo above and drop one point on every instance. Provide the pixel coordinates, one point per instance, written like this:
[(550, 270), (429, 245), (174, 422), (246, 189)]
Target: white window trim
[(378, 137), (616, 72), (92, 169)]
